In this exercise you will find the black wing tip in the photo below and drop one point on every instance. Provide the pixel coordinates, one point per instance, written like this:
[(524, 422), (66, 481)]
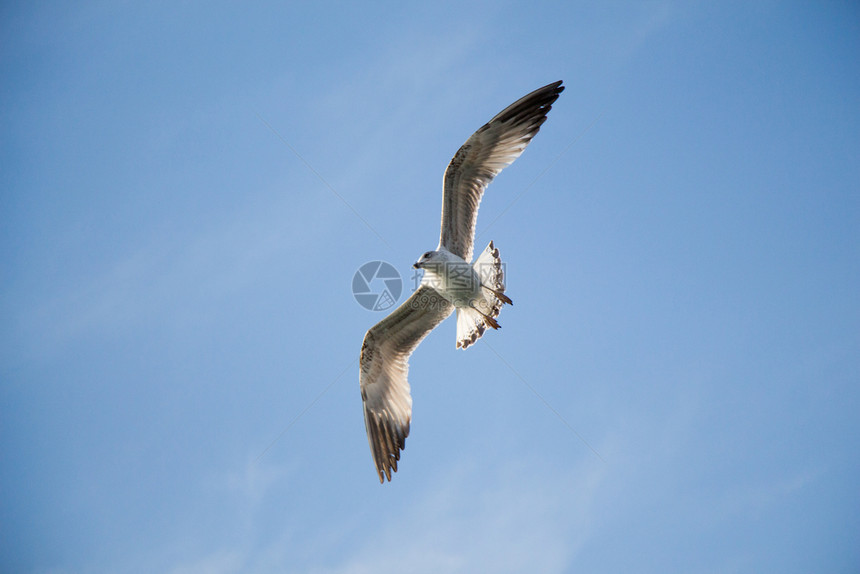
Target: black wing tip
[(547, 95), (386, 444), (386, 469), (533, 106), (549, 91)]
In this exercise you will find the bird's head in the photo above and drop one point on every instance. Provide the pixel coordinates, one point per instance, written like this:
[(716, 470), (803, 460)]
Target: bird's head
[(429, 258)]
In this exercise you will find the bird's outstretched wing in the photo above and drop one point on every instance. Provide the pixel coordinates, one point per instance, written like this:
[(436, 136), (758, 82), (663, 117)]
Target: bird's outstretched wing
[(490, 149), (384, 367)]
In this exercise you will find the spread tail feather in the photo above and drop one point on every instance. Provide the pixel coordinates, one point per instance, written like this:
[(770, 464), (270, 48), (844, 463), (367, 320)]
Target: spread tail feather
[(473, 321)]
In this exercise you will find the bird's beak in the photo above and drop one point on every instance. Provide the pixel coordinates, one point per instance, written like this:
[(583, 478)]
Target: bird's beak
[(416, 265)]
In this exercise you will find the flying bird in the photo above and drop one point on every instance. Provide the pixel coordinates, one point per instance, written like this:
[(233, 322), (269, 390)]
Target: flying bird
[(451, 282)]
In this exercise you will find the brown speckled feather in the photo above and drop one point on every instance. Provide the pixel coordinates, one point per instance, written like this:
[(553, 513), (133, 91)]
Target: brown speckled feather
[(490, 149), (384, 367)]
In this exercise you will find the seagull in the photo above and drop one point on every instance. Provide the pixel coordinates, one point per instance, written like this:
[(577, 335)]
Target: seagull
[(450, 282)]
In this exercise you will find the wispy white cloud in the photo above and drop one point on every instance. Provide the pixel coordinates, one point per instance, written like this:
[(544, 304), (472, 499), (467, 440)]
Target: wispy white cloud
[(166, 276), (512, 519), (756, 497), (519, 520), (222, 562), (254, 481)]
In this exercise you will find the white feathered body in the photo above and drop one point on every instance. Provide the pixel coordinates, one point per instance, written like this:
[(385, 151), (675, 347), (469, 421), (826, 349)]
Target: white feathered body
[(476, 290), (454, 278)]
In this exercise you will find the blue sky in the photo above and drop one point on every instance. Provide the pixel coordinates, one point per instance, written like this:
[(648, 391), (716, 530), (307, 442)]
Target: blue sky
[(188, 189)]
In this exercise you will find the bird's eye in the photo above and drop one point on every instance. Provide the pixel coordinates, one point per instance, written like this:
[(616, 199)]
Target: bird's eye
[(427, 255)]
